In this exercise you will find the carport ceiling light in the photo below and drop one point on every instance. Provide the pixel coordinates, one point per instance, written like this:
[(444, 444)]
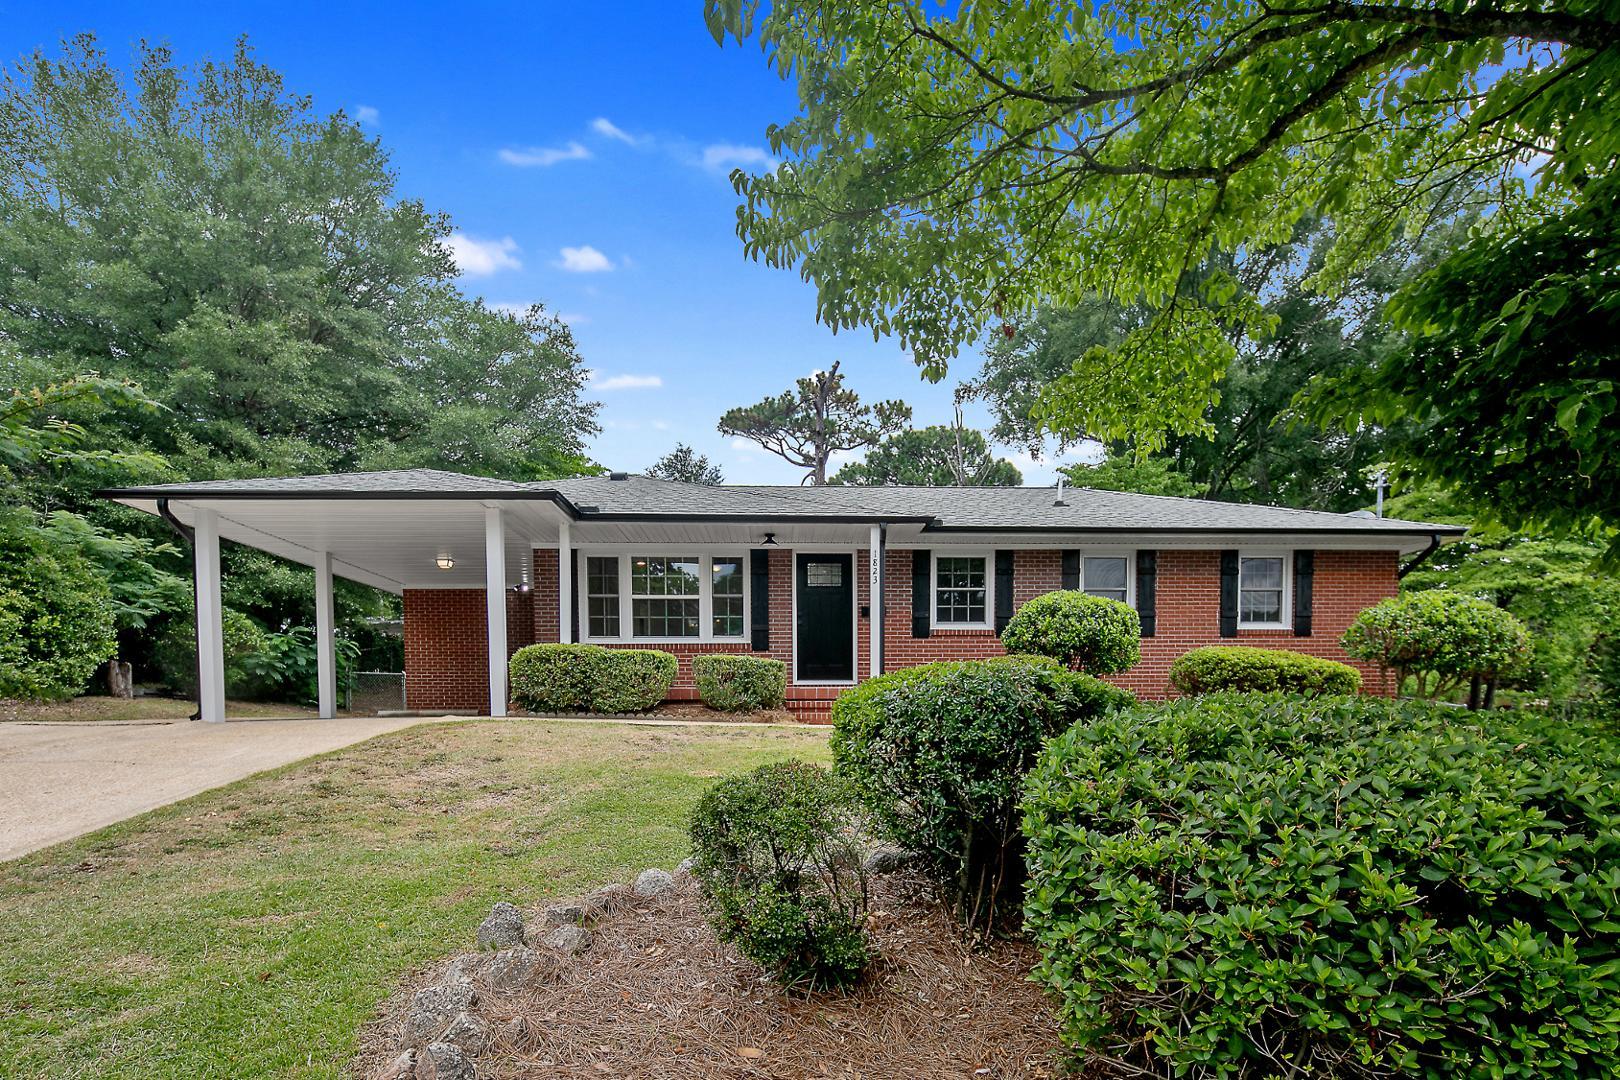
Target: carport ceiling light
[(445, 562)]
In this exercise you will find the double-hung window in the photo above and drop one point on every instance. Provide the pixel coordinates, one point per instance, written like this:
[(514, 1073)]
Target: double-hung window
[(664, 596), (961, 590), (1105, 576), (1262, 590)]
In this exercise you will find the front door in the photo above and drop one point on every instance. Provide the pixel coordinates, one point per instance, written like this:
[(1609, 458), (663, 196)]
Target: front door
[(826, 624)]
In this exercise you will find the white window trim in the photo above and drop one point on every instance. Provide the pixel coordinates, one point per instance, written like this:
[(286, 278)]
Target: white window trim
[(705, 595), (1112, 553), (1286, 622), (989, 557)]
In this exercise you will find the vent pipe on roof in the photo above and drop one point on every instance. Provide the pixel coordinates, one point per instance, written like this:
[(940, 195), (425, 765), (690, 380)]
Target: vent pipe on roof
[(619, 476), (1059, 500)]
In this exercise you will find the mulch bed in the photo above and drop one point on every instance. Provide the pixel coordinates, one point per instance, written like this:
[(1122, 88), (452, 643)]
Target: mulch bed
[(657, 995), (682, 710)]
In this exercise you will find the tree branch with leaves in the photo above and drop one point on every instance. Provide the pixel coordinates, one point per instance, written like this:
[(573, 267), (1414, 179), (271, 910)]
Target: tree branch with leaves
[(805, 426)]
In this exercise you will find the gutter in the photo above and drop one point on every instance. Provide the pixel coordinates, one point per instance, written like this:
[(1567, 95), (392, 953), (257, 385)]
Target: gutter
[(1420, 558), (164, 494), (190, 538)]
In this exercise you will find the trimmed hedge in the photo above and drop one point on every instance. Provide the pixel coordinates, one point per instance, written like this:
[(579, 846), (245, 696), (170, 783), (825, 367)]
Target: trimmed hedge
[(734, 682), (1238, 667), (1091, 633), (1353, 886), (774, 853), (590, 678), (938, 754)]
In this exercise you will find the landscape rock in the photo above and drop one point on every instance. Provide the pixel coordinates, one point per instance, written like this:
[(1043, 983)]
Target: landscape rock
[(513, 969), (562, 915), (569, 940), (653, 883), (445, 1061), (402, 1067), (684, 867), (502, 929), (887, 860), (467, 1032), (434, 1007)]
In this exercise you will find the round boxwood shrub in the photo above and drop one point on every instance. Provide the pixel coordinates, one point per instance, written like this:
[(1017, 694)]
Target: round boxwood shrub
[(1091, 633), (774, 855), (1230, 884), (1239, 667), (1440, 640), (734, 682), (590, 678), (938, 754)]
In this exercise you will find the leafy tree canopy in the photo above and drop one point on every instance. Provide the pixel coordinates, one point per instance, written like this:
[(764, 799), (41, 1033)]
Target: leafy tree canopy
[(1147, 476), (935, 456), (684, 463), (805, 426), (953, 170)]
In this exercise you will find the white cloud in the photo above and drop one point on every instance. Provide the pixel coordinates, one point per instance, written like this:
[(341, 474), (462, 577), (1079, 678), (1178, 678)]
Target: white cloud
[(583, 260), (544, 156), (609, 130), (723, 157), (574, 318), (625, 382), (368, 115), (480, 258)]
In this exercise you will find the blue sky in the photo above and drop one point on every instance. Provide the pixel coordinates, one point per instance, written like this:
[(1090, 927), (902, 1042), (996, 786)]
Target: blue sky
[(582, 152)]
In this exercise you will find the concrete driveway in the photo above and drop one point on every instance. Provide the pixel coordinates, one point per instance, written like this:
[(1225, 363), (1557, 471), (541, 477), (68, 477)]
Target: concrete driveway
[(58, 781)]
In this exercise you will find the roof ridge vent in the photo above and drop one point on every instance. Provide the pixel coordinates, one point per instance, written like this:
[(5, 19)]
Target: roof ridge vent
[(618, 476)]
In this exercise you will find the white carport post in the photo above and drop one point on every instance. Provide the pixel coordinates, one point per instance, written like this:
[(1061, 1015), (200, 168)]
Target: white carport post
[(210, 618), (495, 606), (565, 585), (325, 649), (874, 566)]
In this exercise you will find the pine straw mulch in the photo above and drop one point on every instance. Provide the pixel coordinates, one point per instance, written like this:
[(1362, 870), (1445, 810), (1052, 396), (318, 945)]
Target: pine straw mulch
[(658, 996)]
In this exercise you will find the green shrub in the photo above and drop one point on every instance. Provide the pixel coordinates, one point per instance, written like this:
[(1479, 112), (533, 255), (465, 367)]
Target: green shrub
[(737, 683), (1440, 640), (1091, 633), (774, 855), (590, 678), (56, 616), (1238, 667), (1351, 886), (176, 649), (938, 754)]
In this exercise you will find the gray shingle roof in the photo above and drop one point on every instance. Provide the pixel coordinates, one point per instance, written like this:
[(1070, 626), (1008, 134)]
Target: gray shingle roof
[(981, 509)]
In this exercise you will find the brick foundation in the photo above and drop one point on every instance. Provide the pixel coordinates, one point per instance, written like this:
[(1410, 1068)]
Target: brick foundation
[(445, 645)]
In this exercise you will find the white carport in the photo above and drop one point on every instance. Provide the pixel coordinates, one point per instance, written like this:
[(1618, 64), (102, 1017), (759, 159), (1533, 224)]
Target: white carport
[(437, 536)]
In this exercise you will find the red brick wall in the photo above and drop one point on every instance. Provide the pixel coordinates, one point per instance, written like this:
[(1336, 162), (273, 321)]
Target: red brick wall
[(444, 631)]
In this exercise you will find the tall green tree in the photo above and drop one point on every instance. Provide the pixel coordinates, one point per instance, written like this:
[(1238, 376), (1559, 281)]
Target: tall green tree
[(1146, 476), (685, 464), (805, 426), (936, 456), (958, 167)]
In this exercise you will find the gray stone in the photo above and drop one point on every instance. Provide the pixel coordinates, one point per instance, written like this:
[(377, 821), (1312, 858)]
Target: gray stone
[(567, 914), (513, 969), (502, 929), (887, 860), (433, 1007), (467, 1032), (445, 1061), (653, 883), (402, 1067), (569, 940), (684, 867)]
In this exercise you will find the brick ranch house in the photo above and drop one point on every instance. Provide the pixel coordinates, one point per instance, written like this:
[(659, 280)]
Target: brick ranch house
[(488, 566)]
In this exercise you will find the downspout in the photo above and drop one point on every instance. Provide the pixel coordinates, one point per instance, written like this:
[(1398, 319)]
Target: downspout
[(1422, 557), (186, 534)]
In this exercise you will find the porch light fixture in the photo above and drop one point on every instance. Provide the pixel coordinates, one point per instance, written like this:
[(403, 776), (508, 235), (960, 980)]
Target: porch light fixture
[(445, 562), (770, 540)]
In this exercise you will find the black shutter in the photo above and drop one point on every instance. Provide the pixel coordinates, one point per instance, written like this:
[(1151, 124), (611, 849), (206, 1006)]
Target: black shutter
[(921, 593), (1147, 591), (759, 603), (1004, 589), (1071, 569), (1304, 572), (1229, 593), (573, 593)]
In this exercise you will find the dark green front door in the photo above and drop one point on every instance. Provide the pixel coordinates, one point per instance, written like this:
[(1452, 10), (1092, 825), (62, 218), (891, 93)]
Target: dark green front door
[(826, 624)]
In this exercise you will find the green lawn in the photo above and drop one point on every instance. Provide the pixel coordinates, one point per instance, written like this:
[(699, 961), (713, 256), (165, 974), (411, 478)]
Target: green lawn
[(250, 931)]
